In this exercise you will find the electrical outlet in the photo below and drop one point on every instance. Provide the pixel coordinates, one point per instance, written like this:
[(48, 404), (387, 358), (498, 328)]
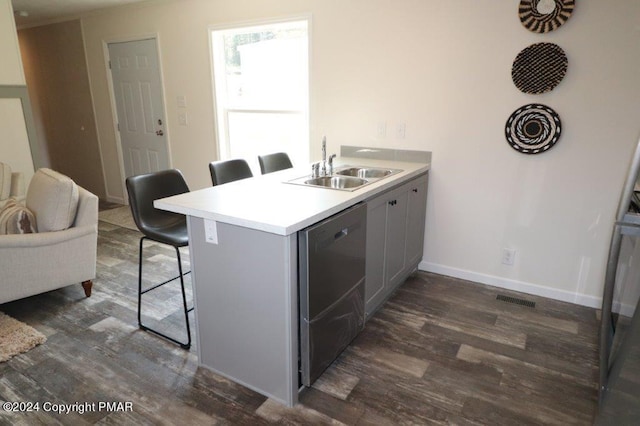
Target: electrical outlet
[(210, 231), (508, 256), (382, 129), (401, 130)]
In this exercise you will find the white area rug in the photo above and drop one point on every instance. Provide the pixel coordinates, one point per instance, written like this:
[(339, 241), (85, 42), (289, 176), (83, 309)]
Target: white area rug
[(17, 337), (120, 216)]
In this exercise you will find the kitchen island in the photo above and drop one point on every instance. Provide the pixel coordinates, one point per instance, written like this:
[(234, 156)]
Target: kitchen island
[(244, 258)]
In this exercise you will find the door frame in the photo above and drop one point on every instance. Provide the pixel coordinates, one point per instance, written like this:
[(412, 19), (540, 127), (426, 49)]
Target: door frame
[(112, 101)]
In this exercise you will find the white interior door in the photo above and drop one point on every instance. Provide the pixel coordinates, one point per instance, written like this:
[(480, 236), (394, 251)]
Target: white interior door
[(137, 86)]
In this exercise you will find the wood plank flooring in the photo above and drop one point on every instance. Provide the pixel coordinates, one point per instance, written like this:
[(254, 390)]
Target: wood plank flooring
[(441, 351)]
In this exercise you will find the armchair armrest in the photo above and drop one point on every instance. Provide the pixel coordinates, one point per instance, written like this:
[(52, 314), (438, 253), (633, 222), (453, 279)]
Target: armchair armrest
[(87, 213), (44, 239)]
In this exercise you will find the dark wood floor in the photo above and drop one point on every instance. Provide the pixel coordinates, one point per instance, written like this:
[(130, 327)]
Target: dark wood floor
[(441, 351)]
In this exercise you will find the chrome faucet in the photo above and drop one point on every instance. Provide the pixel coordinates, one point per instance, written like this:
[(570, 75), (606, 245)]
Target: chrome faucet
[(331, 157), (320, 168)]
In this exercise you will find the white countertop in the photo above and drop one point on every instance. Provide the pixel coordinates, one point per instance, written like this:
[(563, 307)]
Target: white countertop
[(268, 203)]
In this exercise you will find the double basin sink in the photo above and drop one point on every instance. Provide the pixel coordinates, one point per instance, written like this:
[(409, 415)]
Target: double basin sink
[(347, 178)]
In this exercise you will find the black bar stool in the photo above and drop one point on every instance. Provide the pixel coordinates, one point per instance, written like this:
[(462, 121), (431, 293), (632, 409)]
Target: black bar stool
[(226, 171), (160, 226), (274, 162)]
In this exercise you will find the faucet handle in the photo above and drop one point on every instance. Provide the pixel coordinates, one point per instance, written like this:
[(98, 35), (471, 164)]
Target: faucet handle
[(331, 157)]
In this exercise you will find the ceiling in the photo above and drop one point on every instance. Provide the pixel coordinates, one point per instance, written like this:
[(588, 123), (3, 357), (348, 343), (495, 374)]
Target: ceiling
[(40, 11)]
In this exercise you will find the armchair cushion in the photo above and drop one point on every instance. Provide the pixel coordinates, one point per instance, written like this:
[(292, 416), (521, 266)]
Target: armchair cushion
[(53, 199), (5, 181), (16, 219)]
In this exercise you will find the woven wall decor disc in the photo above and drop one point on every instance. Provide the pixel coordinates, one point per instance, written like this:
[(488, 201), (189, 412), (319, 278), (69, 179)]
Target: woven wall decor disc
[(539, 68), (542, 16), (533, 129)]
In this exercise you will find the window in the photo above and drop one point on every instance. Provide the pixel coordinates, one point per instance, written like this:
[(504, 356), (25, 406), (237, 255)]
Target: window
[(261, 80)]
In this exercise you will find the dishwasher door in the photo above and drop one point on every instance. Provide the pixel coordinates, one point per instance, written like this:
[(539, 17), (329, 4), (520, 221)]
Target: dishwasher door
[(331, 280)]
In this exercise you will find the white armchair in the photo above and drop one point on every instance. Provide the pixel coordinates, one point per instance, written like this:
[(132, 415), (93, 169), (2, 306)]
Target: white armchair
[(50, 259)]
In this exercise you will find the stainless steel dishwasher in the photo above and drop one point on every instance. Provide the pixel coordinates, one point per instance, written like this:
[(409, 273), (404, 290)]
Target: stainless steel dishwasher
[(331, 279)]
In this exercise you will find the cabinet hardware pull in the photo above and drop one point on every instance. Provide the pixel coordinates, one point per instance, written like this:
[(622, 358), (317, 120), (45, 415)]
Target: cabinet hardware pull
[(341, 233), (415, 190)]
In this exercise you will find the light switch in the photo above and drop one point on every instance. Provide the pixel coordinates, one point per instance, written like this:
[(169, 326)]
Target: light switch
[(210, 231), (182, 101), (182, 118)]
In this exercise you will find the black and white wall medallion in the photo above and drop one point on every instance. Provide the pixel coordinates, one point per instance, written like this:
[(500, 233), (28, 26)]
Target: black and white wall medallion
[(539, 68), (542, 16), (533, 129)]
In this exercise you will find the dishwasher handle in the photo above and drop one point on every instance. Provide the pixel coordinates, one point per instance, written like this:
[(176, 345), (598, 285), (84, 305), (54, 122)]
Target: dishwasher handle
[(327, 240)]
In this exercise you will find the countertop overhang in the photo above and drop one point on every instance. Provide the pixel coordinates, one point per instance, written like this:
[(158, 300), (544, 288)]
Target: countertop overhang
[(269, 203)]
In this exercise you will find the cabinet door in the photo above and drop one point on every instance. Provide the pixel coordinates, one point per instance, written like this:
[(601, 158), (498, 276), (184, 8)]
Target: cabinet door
[(415, 221), (376, 231), (396, 235)]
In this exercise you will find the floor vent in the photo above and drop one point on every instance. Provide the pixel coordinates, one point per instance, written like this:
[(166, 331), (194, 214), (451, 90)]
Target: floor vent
[(515, 300)]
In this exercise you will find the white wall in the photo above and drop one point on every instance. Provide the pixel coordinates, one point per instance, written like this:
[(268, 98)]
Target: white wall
[(14, 143), (442, 68), (11, 69)]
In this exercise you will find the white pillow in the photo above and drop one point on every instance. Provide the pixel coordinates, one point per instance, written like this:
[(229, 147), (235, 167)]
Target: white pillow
[(5, 181), (53, 199)]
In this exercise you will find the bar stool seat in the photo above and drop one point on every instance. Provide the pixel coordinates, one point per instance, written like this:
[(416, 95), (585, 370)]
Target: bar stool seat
[(160, 226)]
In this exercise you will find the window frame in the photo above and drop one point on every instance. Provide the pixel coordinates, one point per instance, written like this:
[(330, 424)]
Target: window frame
[(221, 114)]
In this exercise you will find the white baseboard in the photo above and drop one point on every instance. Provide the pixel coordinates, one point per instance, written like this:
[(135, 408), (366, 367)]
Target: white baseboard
[(509, 284), (117, 200)]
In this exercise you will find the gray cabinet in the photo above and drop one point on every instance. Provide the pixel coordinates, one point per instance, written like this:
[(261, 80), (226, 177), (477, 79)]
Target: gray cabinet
[(416, 212), (395, 238)]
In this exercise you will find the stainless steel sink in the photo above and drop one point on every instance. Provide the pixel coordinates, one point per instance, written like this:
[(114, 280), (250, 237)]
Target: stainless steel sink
[(347, 178), (337, 182), (365, 172)]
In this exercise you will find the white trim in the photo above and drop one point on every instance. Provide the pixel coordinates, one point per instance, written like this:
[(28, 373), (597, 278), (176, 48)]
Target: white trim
[(114, 117), (509, 284), (259, 22), (114, 110), (163, 95), (625, 309), (216, 124), (310, 94), (95, 115), (117, 200)]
